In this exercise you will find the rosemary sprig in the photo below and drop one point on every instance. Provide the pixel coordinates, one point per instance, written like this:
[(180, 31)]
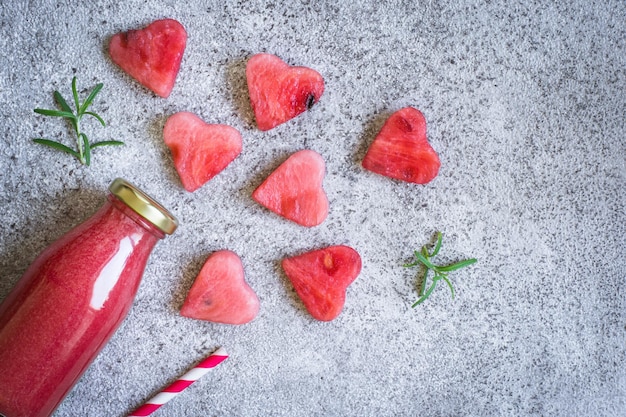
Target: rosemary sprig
[(423, 258), (83, 147)]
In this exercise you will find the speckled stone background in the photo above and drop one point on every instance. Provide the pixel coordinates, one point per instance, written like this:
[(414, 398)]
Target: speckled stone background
[(525, 103)]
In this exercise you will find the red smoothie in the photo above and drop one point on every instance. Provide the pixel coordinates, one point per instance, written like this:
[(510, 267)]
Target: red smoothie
[(71, 300)]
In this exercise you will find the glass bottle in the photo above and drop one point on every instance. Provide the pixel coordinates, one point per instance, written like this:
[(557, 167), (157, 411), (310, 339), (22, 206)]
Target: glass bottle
[(73, 297)]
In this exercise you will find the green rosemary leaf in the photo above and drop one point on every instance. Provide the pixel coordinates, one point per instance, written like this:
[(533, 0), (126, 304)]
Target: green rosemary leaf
[(86, 150), (90, 98), (96, 116), (75, 94), (425, 296), (55, 113), (458, 265), (64, 106), (447, 281), (424, 260), (107, 143), (438, 244), (412, 264), (57, 145)]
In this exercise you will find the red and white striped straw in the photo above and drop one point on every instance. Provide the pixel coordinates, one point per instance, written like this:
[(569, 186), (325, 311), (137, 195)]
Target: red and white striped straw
[(181, 384)]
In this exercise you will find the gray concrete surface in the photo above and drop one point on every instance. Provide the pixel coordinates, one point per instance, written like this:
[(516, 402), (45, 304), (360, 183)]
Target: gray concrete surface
[(525, 103)]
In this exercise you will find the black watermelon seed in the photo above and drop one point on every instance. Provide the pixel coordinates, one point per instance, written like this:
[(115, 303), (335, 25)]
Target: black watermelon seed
[(310, 101)]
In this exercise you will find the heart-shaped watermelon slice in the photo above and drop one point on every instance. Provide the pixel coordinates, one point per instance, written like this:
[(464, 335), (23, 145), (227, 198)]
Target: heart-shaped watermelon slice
[(401, 149), (200, 150), (220, 293), (151, 55), (321, 277), (294, 190), (278, 91)]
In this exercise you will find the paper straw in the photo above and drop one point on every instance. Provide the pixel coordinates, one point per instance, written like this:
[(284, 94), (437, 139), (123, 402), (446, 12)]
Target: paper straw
[(181, 383)]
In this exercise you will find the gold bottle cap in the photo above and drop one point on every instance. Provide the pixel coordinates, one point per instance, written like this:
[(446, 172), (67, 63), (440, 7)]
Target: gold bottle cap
[(144, 205)]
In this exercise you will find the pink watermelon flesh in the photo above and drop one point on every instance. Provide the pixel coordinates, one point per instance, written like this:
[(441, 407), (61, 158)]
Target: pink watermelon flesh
[(151, 55), (321, 277), (401, 149), (200, 150), (278, 91), (294, 190), (220, 293)]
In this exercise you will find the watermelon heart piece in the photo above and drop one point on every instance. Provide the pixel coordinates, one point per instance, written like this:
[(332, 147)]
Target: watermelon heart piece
[(200, 150), (278, 91), (321, 277), (220, 293), (151, 55), (401, 149), (294, 190)]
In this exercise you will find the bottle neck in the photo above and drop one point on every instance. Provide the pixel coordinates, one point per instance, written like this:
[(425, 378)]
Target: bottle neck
[(140, 220)]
